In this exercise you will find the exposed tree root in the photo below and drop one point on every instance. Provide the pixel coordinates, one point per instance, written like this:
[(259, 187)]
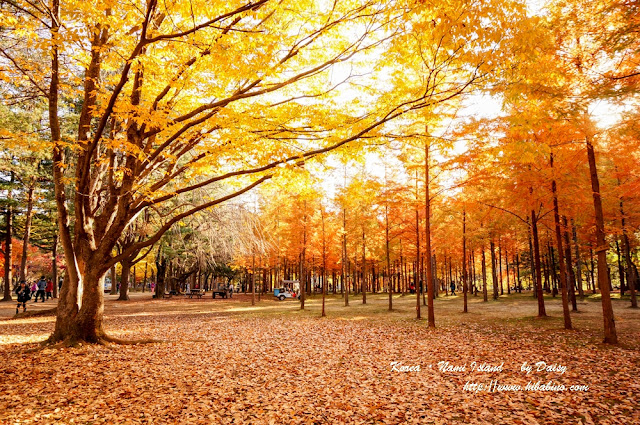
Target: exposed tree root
[(105, 339)]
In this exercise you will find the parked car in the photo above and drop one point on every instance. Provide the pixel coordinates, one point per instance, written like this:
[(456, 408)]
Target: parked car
[(283, 293)]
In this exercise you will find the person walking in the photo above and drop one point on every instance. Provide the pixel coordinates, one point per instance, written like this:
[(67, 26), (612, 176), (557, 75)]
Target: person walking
[(49, 288), (42, 286), (24, 295), (453, 289)]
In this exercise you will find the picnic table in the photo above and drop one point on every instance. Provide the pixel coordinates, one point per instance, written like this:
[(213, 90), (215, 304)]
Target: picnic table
[(195, 293)]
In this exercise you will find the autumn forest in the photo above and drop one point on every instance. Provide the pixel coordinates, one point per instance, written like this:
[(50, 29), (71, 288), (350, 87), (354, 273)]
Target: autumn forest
[(320, 211)]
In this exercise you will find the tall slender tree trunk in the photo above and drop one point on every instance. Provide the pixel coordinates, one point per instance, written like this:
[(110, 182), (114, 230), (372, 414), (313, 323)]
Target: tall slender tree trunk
[(500, 265), (571, 278), (324, 261), (253, 280), (54, 264), (431, 317), (434, 269), (344, 286), (620, 268), (113, 280), (506, 263), (578, 261), (563, 269), (552, 268), (388, 274), (124, 280), (416, 274), (485, 297), (494, 276), (144, 279), (519, 282), (363, 283), (538, 272), (532, 276), (610, 335), (8, 248), (27, 234), (464, 259), (474, 287), (303, 288), (633, 273)]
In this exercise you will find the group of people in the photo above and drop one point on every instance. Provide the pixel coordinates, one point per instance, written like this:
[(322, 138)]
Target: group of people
[(41, 288), (412, 287)]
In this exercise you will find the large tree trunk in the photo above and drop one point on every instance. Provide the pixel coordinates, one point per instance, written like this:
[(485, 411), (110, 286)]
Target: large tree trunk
[(27, 234), (161, 266), (610, 335), (80, 308)]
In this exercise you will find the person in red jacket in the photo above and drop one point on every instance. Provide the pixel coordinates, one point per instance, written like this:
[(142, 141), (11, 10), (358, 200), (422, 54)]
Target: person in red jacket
[(49, 288)]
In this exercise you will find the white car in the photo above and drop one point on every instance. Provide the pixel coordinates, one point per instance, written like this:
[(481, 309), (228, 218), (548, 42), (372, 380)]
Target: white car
[(282, 294)]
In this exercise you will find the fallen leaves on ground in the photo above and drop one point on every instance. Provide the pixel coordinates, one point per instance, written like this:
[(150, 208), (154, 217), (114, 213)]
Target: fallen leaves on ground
[(221, 368)]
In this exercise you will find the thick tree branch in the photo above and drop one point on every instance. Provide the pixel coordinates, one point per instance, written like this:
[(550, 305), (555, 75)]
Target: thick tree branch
[(156, 237)]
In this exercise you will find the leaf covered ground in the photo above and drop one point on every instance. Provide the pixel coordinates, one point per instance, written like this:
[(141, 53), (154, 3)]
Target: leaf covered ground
[(224, 361)]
